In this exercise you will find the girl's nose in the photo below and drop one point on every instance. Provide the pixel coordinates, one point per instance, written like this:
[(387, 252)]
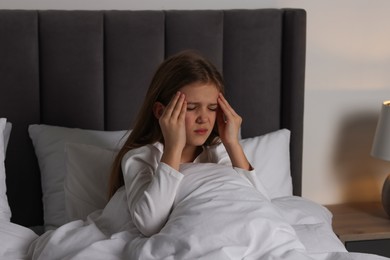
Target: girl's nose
[(202, 118)]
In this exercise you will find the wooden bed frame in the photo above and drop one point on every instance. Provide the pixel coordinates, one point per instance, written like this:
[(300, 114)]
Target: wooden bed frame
[(90, 69)]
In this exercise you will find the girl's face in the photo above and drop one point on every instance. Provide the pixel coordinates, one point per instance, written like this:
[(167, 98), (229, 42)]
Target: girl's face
[(201, 113)]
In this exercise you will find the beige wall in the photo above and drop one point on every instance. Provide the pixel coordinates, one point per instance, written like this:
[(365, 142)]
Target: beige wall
[(347, 77)]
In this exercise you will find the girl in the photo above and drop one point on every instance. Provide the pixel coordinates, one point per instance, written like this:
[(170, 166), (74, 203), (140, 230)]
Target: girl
[(185, 118), (174, 191)]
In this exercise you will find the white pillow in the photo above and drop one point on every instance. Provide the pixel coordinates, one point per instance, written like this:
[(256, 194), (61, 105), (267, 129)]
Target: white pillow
[(49, 144), (86, 183), (5, 212), (269, 154)]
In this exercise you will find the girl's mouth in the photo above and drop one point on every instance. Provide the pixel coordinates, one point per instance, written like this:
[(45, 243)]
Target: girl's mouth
[(201, 131)]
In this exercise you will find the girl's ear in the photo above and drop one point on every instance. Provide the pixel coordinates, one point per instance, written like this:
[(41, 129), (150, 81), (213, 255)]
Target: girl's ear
[(158, 109)]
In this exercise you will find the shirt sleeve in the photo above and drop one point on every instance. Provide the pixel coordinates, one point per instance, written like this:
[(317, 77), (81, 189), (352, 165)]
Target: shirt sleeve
[(151, 188)]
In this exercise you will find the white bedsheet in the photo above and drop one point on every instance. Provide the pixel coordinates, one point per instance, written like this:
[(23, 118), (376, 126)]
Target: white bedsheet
[(217, 215), (15, 240), (68, 243)]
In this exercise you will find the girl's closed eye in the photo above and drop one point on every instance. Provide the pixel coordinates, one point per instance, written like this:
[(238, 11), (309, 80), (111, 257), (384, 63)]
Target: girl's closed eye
[(191, 107), (213, 107)]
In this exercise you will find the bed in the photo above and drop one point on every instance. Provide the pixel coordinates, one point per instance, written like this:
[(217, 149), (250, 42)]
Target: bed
[(71, 83)]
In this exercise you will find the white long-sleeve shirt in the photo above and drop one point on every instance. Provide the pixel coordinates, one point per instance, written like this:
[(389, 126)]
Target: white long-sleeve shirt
[(151, 185)]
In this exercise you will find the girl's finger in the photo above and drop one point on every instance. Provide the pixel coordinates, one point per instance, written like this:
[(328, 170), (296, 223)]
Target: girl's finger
[(220, 117), (183, 111), (179, 106), (226, 106), (172, 104)]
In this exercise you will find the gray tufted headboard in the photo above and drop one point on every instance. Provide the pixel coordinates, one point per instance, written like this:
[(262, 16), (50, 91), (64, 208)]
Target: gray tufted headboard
[(90, 69)]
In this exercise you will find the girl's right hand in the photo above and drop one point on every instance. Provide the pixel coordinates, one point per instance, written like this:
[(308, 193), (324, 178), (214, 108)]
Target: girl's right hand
[(172, 123)]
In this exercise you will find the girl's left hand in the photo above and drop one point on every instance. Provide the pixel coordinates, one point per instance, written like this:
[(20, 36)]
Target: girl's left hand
[(229, 122)]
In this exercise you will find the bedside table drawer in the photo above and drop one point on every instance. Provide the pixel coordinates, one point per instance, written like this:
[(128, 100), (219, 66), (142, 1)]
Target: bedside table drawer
[(377, 246)]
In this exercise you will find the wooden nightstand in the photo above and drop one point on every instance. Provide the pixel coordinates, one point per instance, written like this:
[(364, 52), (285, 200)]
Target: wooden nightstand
[(362, 227)]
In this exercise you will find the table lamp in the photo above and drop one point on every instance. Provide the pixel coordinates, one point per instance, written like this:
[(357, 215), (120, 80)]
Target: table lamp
[(381, 149)]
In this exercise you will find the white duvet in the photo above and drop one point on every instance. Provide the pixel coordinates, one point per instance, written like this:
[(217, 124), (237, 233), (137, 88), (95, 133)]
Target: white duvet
[(217, 215)]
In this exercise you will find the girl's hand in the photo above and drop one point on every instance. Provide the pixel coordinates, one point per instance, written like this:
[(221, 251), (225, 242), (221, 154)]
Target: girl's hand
[(229, 122), (172, 123)]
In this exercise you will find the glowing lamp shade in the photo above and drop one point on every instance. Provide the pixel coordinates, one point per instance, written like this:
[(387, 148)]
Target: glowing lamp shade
[(381, 149)]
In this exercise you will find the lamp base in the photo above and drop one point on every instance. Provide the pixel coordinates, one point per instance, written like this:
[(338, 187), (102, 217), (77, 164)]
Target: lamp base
[(386, 195)]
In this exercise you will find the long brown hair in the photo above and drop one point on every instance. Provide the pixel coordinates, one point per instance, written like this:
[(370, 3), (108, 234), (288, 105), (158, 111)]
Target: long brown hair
[(184, 68)]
